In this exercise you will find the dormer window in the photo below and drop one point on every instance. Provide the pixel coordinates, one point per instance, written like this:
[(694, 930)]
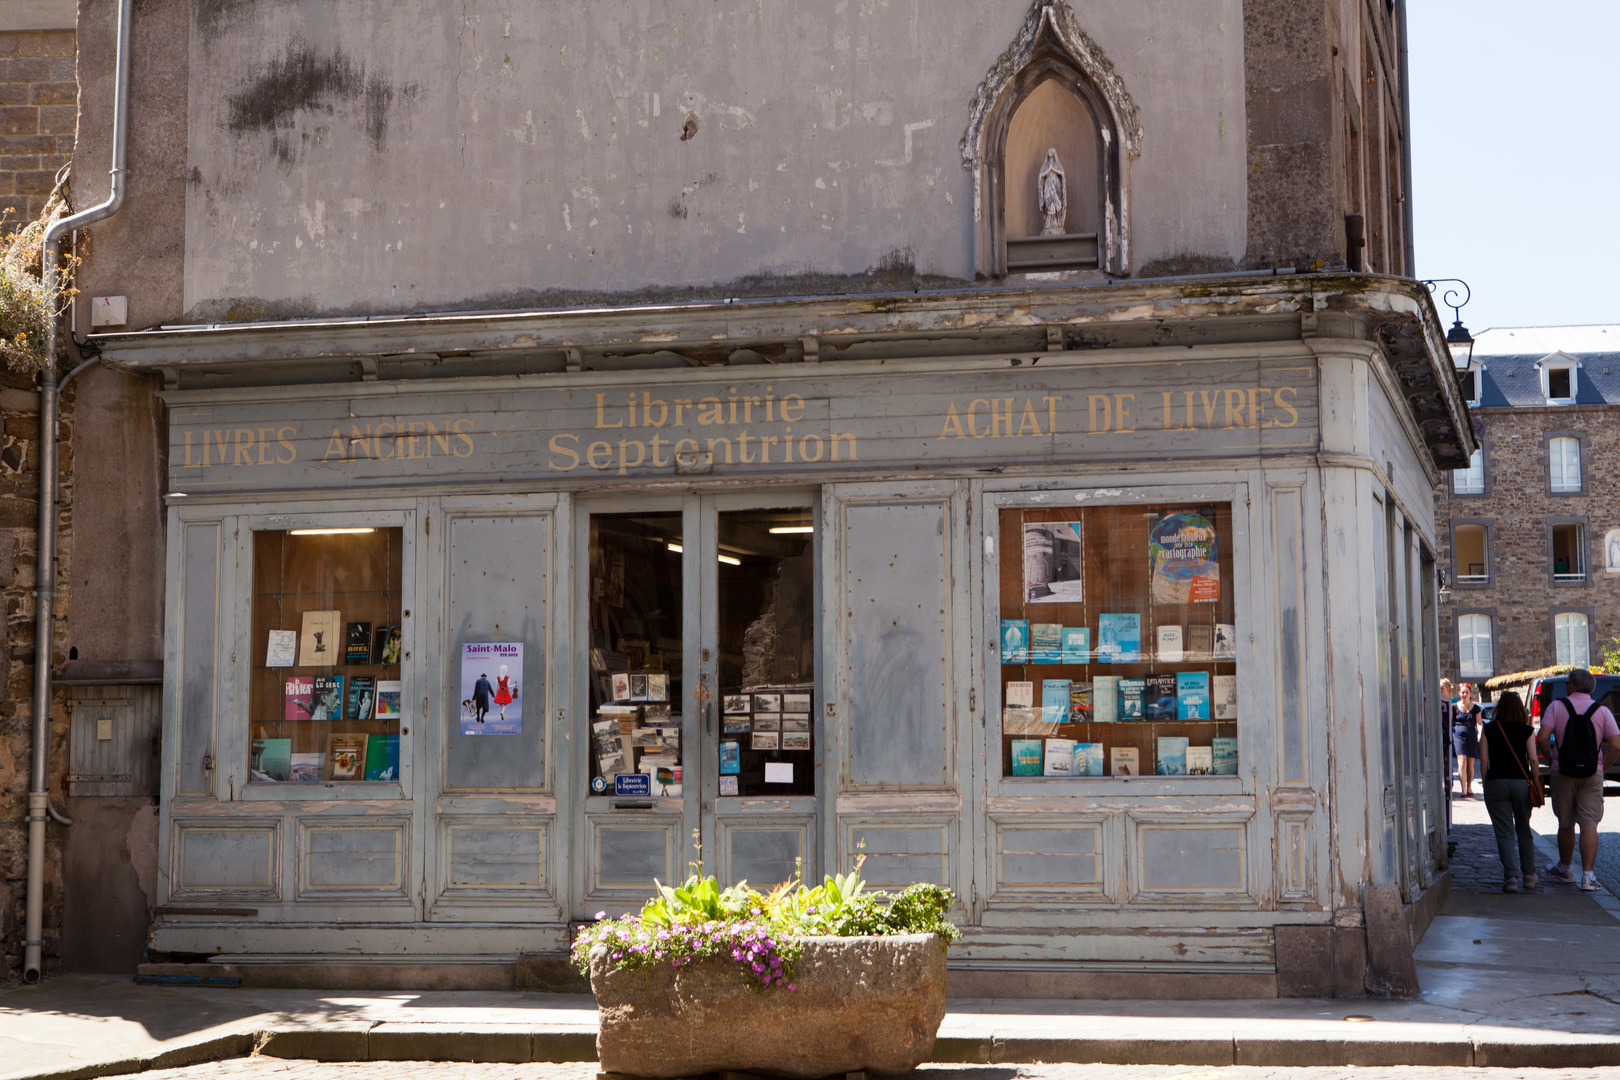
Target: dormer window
[(1472, 381), (1558, 379)]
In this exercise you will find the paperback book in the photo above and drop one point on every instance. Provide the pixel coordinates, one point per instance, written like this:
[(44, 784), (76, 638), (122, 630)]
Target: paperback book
[(1045, 643), (1059, 757), (388, 692), (1077, 644), (1192, 695), (1200, 642), (1052, 566), (307, 768), (1119, 638), (1055, 701), (1170, 650), (1105, 699), (362, 700), (282, 649), (357, 643), (1200, 761), (328, 698), (1019, 695), (1088, 759), (1015, 641), (345, 756), (1159, 699), (1172, 755), (382, 757), (1125, 761), (272, 759), (1224, 752), (385, 644), (318, 640), (1026, 757), (1225, 641), (1131, 692), (1223, 696), (298, 698), (1080, 710)]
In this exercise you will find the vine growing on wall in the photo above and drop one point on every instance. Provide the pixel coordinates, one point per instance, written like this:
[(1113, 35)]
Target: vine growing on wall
[(23, 315)]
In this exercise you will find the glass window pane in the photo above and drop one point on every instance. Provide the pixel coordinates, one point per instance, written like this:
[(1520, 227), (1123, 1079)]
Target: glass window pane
[(1471, 481), (1569, 639), (1566, 464), (635, 651), (767, 640), (1118, 613), (1474, 645), (327, 637)]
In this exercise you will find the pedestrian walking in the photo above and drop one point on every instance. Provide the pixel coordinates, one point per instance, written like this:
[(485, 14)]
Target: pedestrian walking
[(1579, 738), (1509, 767), (1465, 736)]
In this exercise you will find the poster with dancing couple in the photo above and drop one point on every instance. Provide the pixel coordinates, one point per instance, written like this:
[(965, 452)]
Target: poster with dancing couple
[(491, 697)]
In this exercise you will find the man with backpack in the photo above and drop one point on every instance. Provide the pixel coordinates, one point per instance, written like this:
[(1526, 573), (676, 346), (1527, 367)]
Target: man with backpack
[(1579, 738)]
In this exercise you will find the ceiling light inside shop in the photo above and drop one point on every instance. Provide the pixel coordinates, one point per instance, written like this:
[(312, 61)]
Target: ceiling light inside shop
[(675, 547), (328, 532), (781, 530), (729, 561)]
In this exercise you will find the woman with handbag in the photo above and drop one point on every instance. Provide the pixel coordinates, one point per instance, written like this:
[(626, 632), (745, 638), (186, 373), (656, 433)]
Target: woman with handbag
[(1508, 762)]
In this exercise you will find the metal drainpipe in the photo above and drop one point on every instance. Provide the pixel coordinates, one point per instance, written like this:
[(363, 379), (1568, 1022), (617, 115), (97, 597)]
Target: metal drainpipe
[(1406, 147), (39, 801)]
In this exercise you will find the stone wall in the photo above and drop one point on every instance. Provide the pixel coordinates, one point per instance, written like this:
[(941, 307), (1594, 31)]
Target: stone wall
[(38, 117), (1521, 596), (19, 492)]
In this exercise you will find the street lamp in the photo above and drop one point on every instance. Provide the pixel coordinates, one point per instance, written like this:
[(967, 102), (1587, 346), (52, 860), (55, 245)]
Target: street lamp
[(1458, 339)]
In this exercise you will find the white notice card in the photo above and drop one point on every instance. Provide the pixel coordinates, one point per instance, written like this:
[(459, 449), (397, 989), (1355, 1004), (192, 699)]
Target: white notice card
[(779, 772), (283, 646)]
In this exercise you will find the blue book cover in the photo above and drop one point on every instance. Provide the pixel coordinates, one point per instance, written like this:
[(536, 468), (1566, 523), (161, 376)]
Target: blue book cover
[(1055, 701), (1225, 750), (1119, 639), (1077, 644), (1159, 699), (1172, 755), (1130, 698), (1105, 699), (730, 758), (1192, 695), (1045, 643), (1026, 757), (1088, 759), (1015, 641)]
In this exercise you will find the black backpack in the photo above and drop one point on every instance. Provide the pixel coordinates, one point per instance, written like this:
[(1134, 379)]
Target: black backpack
[(1578, 748)]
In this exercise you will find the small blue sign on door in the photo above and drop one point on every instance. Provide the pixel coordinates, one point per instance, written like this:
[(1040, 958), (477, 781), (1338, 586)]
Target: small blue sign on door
[(632, 784)]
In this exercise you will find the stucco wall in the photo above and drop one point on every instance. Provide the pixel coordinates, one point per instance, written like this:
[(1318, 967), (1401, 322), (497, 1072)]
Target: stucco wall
[(390, 156)]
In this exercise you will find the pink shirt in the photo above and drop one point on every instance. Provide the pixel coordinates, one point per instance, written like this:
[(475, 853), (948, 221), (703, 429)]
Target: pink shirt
[(1555, 717)]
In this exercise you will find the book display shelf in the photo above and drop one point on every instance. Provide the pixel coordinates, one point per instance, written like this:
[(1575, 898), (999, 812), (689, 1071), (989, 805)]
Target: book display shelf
[(325, 688), (1118, 642)]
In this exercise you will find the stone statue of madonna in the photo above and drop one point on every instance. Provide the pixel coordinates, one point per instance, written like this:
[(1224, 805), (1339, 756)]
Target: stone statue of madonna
[(1053, 191)]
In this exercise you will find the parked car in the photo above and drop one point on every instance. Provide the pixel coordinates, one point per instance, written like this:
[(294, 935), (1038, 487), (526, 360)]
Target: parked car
[(1548, 689)]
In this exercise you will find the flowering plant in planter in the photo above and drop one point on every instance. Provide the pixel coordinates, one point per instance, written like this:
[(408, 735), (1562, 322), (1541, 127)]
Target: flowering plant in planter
[(760, 932)]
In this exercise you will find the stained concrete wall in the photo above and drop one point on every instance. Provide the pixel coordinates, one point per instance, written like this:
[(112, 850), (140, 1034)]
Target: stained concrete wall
[(394, 156)]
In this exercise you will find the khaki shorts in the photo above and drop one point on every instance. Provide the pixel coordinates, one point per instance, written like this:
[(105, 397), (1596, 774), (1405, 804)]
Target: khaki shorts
[(1577, 799)]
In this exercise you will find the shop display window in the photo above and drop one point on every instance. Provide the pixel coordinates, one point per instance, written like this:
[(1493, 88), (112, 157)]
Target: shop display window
[(1118, 642), (328, 633), (635, 654)]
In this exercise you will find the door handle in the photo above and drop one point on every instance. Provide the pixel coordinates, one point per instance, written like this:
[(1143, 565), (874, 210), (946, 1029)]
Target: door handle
[(708, 718)]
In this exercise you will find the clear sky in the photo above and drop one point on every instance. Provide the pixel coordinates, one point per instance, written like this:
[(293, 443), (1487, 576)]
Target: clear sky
[(1516, 156)]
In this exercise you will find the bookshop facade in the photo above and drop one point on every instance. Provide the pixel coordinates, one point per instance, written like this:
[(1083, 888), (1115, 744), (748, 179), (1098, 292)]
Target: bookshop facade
[(1128, 643)]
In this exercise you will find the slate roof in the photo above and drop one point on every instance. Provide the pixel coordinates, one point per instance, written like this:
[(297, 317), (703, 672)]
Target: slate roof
[(1508, 357)]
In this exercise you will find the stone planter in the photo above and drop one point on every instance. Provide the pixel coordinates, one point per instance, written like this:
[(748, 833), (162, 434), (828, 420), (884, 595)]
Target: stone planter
[(866, 1003)]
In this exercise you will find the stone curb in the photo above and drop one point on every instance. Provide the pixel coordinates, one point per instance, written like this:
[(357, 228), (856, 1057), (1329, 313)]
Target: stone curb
[(377, 1041)]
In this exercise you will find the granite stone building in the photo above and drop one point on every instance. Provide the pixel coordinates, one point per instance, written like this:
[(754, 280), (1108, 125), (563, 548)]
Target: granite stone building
[(1532, 527), (522, 441)]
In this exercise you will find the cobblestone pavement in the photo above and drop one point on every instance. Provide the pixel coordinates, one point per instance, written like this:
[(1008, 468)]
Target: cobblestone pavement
[(1476, 867), (258, 1068)]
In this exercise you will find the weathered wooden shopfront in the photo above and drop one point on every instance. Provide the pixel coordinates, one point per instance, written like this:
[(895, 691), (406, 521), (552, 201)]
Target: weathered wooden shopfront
[(775, 559)]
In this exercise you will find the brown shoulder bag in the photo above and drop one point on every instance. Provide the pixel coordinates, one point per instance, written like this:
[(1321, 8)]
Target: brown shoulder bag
[(1537, 796)]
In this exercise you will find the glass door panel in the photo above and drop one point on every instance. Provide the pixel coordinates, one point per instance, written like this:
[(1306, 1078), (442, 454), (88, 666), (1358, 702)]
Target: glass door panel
[(635, 652), (765, 592)]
